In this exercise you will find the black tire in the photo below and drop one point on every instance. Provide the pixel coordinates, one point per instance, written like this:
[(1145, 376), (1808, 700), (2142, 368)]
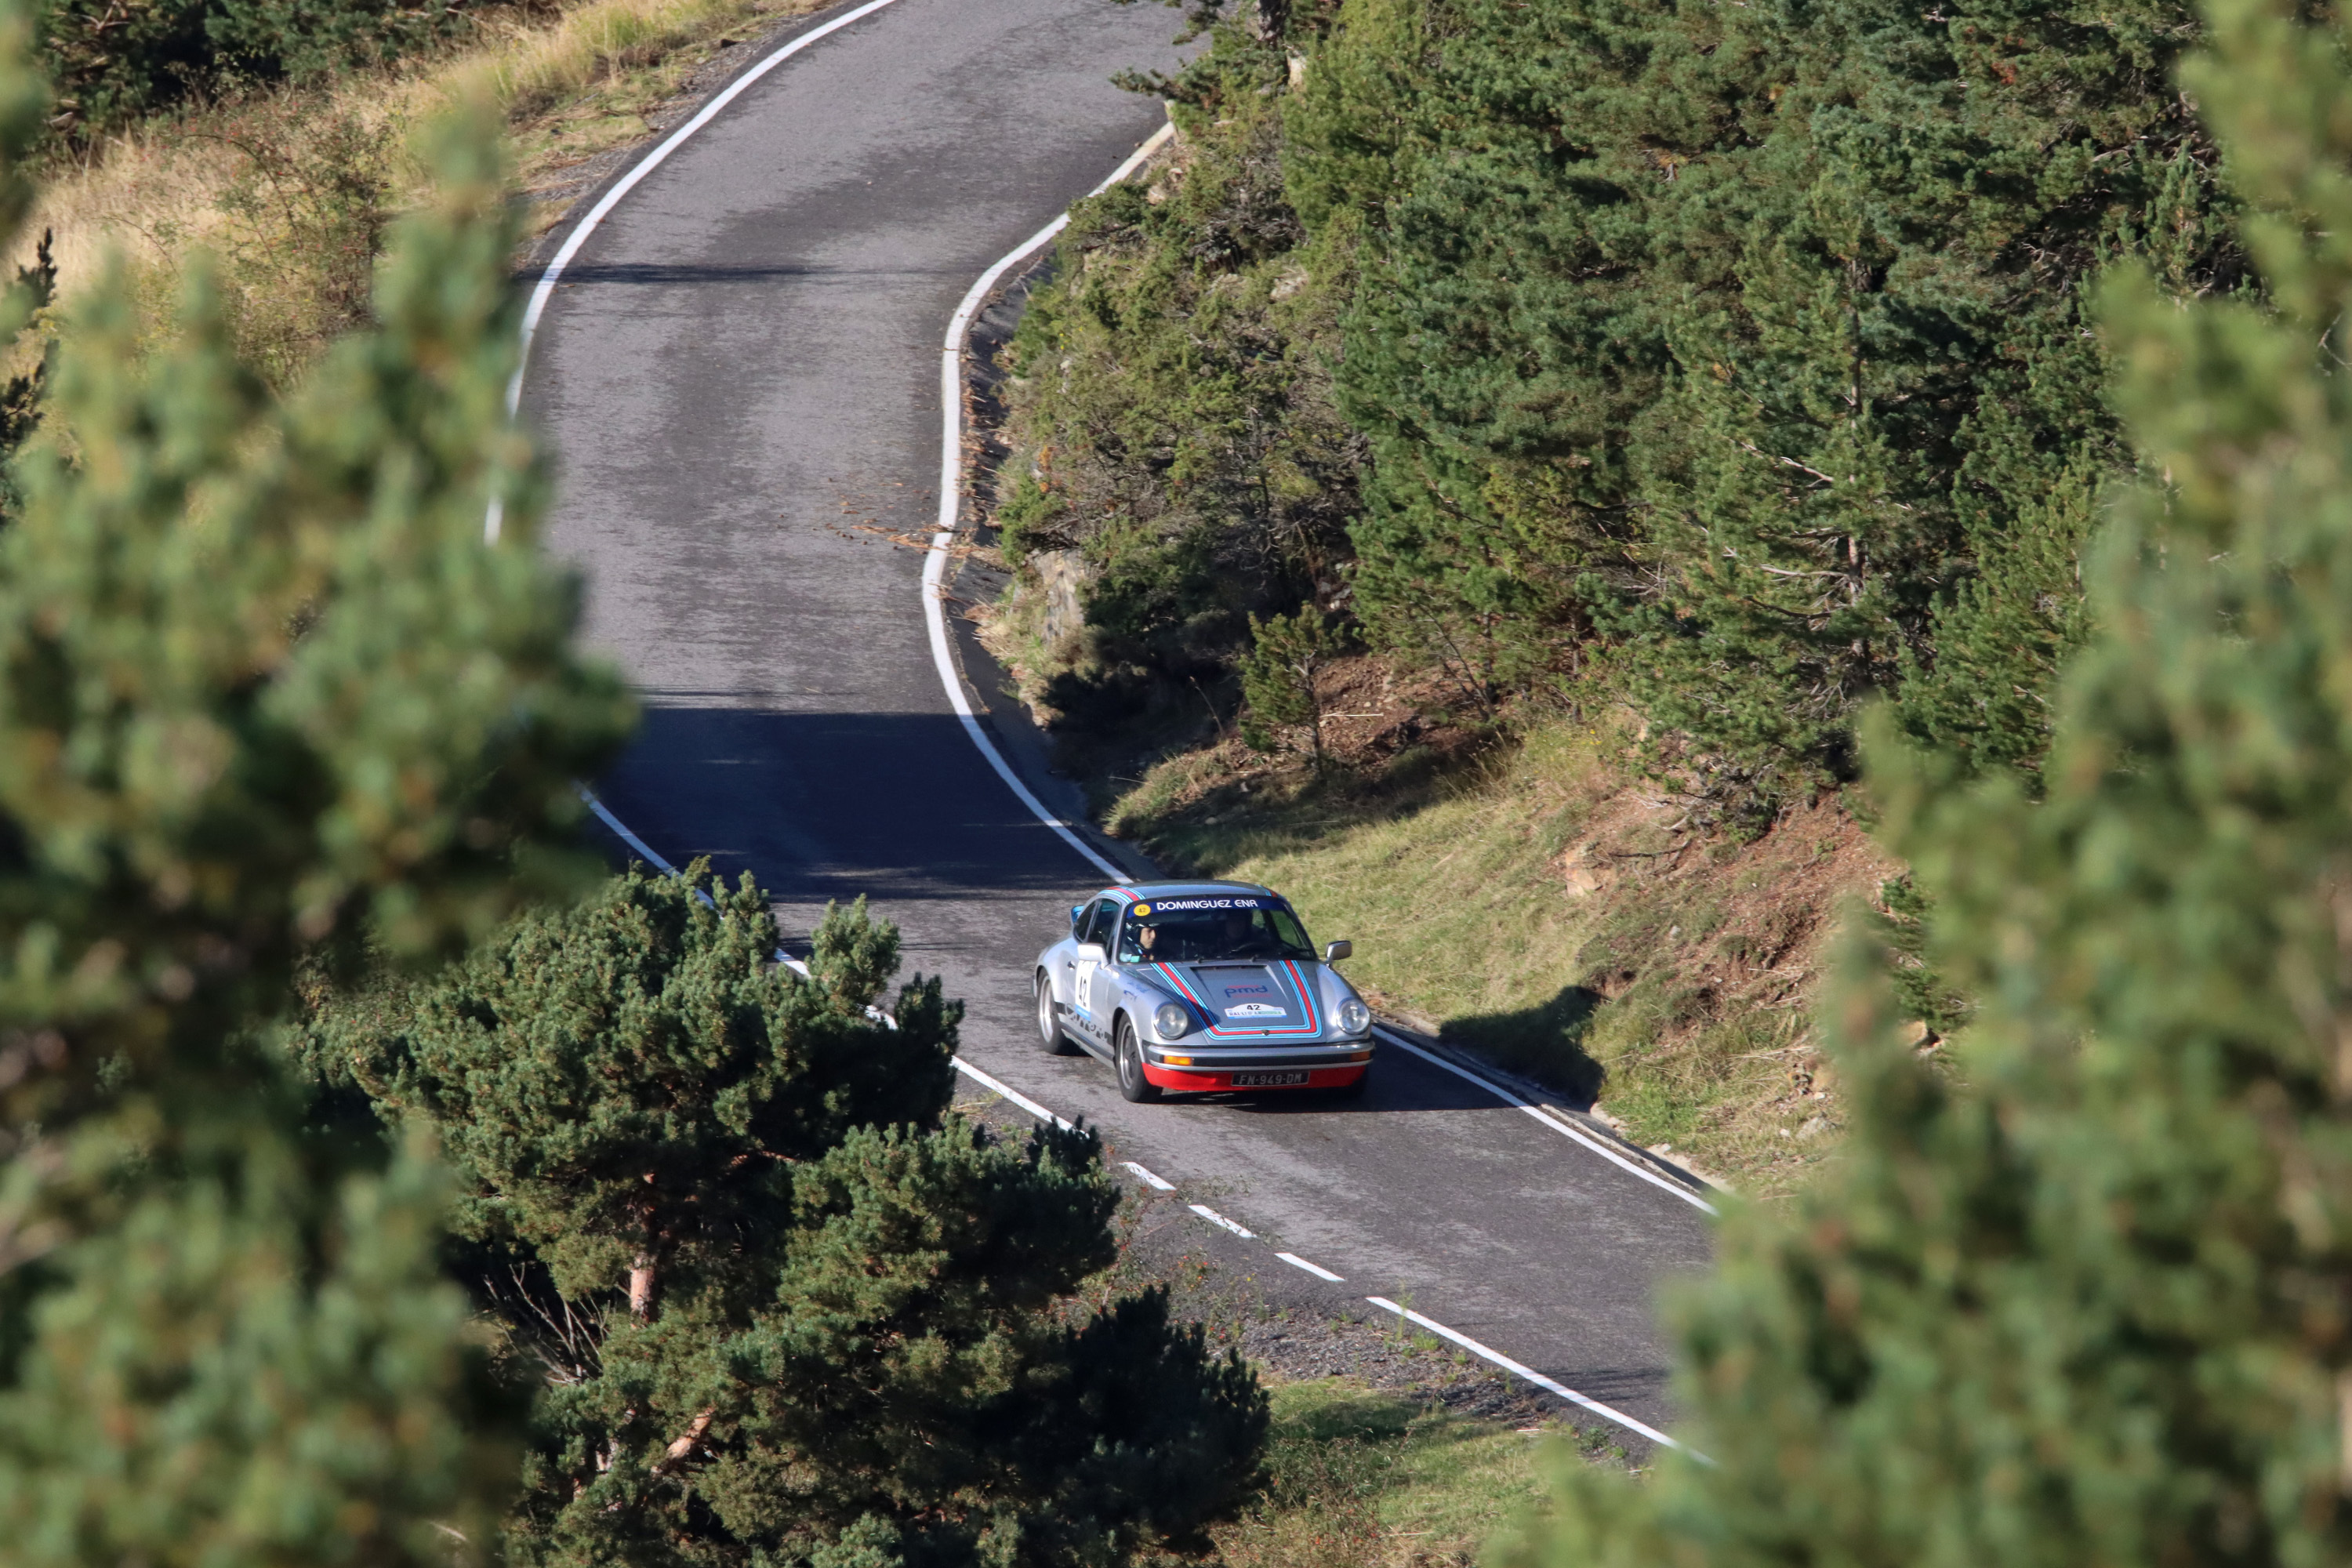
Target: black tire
[(1133, 1086), (1050, 1033)]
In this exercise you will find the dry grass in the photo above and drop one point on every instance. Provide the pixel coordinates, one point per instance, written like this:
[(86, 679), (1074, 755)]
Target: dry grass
[(257, 182)]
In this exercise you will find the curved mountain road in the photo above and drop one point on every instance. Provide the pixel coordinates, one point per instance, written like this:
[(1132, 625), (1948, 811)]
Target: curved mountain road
[(738, 376)]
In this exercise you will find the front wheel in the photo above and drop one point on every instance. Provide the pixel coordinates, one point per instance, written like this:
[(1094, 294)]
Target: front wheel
[(1049, 1028), (1133, 1086)]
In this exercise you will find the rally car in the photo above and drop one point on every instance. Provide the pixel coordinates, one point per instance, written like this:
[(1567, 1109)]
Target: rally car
[(1202, 985)]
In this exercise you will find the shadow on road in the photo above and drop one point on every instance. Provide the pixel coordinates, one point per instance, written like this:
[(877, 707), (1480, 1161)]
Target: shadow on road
[(1546, 1042), (834, 805), (679, 273)]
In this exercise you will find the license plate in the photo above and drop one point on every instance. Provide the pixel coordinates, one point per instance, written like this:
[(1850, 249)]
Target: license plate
[(1267, 1079)]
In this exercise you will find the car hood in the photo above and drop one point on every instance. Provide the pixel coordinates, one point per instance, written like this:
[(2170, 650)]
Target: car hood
[(1249, 1001)]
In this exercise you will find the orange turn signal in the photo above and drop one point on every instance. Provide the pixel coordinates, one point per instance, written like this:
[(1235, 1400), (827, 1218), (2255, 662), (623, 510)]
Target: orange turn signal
[(1177, 1061)]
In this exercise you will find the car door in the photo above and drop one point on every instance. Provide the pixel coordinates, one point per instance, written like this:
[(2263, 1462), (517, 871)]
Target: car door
[(1066, 959), (1090, 986)]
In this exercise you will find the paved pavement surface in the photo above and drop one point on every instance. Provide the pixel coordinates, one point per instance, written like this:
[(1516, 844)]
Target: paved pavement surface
[(738, 381)]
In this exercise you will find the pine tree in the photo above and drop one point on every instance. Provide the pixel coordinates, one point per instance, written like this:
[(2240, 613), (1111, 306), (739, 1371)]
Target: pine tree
[(1748, 343), (262, 686), (848, 1325), (621, 1086), (2084, 1299), (1281, 675)]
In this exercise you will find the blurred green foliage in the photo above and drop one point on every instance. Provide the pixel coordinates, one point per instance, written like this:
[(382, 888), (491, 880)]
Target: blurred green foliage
[(115, 60), (263, 688), (2086, 1300)]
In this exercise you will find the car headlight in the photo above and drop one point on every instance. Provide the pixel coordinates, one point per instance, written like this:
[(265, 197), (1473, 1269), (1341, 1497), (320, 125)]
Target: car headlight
[(1172, 1022), (1354, 1016)]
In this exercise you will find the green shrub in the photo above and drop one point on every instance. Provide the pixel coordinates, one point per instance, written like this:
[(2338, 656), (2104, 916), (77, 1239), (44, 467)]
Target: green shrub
[(1281, 675)]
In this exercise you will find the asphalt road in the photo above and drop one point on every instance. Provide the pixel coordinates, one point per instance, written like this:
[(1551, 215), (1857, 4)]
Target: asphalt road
[(739, 380)]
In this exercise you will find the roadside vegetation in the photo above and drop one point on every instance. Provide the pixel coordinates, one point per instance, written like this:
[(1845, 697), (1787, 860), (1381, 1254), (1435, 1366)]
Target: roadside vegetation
[(547, 1210), (1793, 426), (1355, 1479), (1534, 905), (1495, 421)]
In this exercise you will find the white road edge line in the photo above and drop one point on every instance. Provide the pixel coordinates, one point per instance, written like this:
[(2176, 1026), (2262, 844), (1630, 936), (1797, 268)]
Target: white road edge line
[(620, 829), (1148, 1180), (998, 1085), (935, 622), (1538, 1379), (1598, 1147), (950, 487), (548, 278), (545, 289), (988, 1081), (1214, 1217)]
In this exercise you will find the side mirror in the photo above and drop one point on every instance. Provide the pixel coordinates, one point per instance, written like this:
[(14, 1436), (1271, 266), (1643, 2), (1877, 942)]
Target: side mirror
[(1335, 951)]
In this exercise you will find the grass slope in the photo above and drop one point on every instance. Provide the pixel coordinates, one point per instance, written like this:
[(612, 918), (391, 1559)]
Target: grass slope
[(1357, 1478)]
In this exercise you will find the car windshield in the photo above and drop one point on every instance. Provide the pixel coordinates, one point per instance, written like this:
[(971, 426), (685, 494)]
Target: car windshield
[(1212, 929)]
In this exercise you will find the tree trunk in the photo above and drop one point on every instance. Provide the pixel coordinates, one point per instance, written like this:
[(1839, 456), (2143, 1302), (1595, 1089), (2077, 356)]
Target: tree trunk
[(685, 1443), (1307, 673), (641, 1287)]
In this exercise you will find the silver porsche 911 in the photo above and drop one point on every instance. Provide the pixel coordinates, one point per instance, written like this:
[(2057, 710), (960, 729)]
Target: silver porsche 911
[(1202, 985)]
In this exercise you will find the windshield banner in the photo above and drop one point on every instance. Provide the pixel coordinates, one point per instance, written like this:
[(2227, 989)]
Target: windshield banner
[(1218, 902)]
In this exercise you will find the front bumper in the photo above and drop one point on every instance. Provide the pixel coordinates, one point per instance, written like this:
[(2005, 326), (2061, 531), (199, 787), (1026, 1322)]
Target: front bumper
[(1327, 1067)]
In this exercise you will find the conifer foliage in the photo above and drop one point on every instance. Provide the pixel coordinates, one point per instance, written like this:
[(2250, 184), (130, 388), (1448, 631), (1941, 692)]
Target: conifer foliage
[(1731, 361), (262, 683), (849, 1332), (1282, 675), (2088, 1303)]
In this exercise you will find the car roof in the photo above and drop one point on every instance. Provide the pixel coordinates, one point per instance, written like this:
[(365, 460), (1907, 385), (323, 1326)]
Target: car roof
[(1141, 891)]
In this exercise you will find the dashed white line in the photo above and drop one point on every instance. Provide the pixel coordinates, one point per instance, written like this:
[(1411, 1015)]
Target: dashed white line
[(1148, 1180), (1214, 1217), (1317, 1269), (1598, 1147), (943, 658), (1538, 1379)]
